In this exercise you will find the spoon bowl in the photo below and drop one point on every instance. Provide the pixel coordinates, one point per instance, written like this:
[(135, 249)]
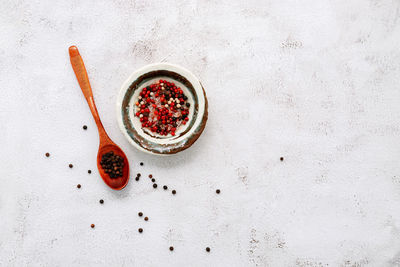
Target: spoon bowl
[(106, 144), (114, 183)]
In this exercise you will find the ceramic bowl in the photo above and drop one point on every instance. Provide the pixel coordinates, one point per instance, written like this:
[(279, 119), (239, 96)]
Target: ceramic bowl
[(185, 135)]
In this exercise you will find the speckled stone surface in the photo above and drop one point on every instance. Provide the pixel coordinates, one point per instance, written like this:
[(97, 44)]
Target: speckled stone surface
[(316, 82)]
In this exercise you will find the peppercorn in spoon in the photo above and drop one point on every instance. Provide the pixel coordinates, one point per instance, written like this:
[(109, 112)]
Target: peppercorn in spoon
[(112, 162)]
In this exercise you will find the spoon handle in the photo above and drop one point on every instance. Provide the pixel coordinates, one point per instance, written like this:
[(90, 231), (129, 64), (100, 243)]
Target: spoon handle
[(83, 80)]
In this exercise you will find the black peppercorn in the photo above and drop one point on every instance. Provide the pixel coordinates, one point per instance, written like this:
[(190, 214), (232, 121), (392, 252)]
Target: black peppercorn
[(70, 165), (101, 201), (140, 214), (137, 178), (112, 164), (281, 158), (153, 180), (79, 186), (165, 187), (208, 249), (146, 218), (47, 154), (155, 185), (217, 191), (140, 230), (84, 127), (141, 163), (174, 192), (171, 248)]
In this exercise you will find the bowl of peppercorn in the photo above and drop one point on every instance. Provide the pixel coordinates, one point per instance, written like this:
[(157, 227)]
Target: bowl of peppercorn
[(162, 109)]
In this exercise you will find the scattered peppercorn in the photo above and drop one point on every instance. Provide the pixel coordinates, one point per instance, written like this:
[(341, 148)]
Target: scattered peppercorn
[(89, 171), (137, 178), (92, 225), (155, 185), (174, 192), (101, 201), (165, 187), (208, 249), (79, 186), (84, 127), (281, 158), (141, 163), (146, 218), (140, 230), (112, 164), (138, 175), (217, 191), (150, 176), (153, 180), (70, 165), (47, 154), (140, 214), (171, 248)]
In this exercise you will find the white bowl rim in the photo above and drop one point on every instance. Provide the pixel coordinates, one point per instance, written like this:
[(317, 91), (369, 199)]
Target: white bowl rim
[(162, 66)]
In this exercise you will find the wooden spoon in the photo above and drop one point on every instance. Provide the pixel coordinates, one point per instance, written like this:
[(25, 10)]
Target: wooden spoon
[(106, 145)]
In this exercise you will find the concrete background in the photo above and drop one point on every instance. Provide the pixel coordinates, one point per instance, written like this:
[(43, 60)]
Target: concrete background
[(316, 82)]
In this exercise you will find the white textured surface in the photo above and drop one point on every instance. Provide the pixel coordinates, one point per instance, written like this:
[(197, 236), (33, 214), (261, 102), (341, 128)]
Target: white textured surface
[(314, 81)]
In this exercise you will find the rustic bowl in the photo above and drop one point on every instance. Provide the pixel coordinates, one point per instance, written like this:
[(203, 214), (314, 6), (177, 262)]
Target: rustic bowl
[(130, 125)]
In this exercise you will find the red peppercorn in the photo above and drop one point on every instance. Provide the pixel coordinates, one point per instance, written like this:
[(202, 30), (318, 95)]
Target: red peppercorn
[(156, 117)]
